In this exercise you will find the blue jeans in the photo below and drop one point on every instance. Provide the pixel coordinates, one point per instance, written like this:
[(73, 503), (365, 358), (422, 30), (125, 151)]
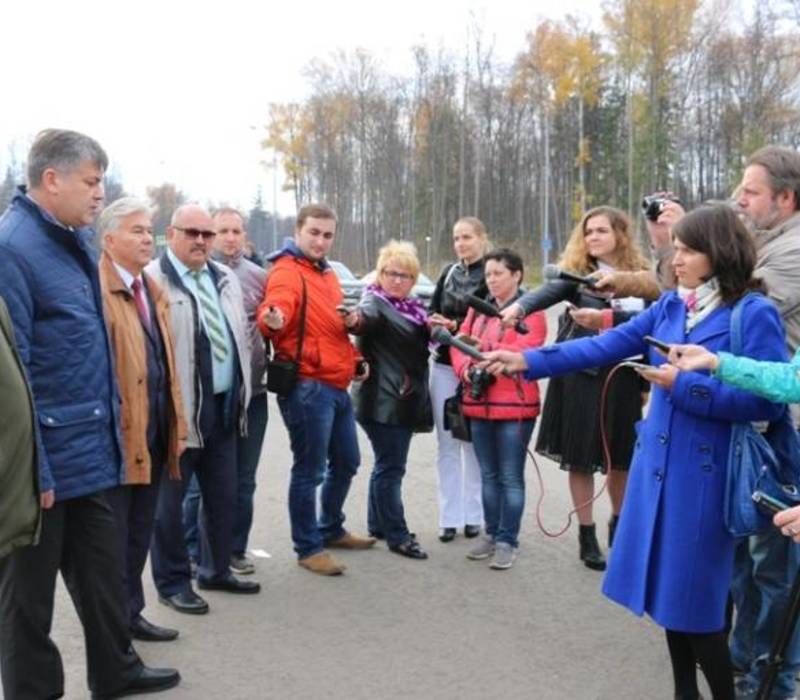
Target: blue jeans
[(248, 451), (500, 446), (322, 432), (386, 516), (764, 571)]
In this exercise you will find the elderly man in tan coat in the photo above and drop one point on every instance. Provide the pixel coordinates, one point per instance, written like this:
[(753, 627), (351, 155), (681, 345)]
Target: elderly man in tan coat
[(151, 416)]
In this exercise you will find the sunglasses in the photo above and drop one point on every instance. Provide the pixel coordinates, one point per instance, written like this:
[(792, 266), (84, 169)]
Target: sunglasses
[(196, 233)]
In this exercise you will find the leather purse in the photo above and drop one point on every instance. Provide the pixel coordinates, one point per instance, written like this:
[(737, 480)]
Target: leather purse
[(454, 419)]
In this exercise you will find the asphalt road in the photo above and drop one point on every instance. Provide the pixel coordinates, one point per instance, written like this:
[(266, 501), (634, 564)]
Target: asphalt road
[(392, 628)]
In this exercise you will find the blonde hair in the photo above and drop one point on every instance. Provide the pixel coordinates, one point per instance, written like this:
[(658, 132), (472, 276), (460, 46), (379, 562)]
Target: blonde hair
[(401, 252), (627, 254), (479, 228)]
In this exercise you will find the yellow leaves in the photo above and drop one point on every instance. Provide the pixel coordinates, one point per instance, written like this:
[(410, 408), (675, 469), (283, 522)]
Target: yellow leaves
[(288, 132), (650, 33), (562, 62)]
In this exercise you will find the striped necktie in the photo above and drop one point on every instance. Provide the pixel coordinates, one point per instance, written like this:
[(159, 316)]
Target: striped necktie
[(214, 324)]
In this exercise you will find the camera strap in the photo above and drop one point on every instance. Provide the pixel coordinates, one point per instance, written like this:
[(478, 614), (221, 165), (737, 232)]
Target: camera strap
[(302, 331)]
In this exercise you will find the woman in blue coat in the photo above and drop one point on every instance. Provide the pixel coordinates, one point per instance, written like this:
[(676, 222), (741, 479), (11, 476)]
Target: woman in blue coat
[(672, 556)]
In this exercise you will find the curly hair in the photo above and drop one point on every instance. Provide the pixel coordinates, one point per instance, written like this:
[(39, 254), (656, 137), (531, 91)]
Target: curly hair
[(627, 253)]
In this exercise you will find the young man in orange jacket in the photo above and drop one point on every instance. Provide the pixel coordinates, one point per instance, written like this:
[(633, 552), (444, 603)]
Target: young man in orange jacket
[(317, 411)]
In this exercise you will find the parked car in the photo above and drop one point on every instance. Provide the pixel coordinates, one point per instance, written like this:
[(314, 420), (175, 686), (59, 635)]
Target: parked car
[(422, 289), (352, 287)]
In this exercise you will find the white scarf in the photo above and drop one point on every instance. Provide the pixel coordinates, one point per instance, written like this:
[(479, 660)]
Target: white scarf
[(700, 301)]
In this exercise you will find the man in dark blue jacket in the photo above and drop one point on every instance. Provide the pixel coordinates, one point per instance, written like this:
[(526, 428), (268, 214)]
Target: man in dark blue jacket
[(49, 279)]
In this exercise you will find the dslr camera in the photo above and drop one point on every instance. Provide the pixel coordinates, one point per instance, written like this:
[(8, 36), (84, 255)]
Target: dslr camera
[(653, 204), (479, 381)]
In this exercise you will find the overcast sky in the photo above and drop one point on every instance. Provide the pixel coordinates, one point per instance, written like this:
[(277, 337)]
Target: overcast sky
[(174, 90)]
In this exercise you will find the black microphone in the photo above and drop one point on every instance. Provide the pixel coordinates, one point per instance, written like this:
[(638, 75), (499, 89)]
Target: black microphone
[(445, 337), (487, 309), (554, 272)]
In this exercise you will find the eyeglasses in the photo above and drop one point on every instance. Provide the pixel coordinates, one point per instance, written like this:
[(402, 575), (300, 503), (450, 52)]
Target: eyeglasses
[(399, 276), (196, 233)]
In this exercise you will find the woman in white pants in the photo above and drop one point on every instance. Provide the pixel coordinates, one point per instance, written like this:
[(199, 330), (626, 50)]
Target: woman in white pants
[(459, 478)]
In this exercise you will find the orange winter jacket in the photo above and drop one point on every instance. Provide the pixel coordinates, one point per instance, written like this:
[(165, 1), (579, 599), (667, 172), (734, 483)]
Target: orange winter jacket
[(328, 355)]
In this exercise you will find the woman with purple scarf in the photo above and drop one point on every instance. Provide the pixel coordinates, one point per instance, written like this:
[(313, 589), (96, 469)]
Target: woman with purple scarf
[(393, 402)]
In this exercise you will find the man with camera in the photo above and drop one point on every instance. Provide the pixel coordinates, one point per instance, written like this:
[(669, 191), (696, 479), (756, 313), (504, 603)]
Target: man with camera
[(769, 199), (315, 361)]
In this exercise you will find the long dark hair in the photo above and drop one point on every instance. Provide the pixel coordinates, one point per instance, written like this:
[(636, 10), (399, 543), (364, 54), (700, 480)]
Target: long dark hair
[(716, 231)]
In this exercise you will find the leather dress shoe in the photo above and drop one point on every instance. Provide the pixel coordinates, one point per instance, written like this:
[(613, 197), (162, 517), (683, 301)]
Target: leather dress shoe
[(229, 584), (146, 631), (447, 534), (150, 680), (186, 602)]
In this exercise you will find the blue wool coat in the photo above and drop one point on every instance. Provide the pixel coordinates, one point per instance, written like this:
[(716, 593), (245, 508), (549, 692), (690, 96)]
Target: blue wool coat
[(49, 280), (672, 556)]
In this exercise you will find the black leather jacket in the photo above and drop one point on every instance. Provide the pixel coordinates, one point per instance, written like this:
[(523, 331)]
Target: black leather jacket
[(453, 283), (396, 391)]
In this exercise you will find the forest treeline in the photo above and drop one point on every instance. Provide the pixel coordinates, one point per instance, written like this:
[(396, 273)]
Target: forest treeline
[(664, 94)]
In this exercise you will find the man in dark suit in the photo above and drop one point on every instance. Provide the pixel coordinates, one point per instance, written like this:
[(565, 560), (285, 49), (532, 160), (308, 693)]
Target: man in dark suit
[(49, 280)]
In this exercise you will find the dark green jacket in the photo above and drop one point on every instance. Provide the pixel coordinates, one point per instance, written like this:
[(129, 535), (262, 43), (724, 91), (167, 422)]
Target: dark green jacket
[(20, 514)]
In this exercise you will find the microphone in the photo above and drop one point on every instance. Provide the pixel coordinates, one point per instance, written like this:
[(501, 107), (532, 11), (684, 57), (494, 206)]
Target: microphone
[(445, 337), (487, 309), (554, 272)]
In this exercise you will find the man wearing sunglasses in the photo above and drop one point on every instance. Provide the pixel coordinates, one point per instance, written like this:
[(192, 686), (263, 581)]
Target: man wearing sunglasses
[(212, 356)]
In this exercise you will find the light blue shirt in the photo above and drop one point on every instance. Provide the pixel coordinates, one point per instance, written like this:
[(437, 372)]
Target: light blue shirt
[(223, 370)]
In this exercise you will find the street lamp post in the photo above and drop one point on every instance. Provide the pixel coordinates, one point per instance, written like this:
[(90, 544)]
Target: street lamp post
[(428, 253)]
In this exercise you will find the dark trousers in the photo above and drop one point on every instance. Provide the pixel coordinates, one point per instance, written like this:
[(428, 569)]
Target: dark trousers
[(385, 513), (79, 538), (248, 451), (134, 508), (215, 467)]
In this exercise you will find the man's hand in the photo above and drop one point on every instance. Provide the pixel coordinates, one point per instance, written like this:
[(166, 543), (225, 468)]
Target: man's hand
[(47, 499), (661, 230), (588, 318), (511, 314), (692, 357), (663, 376), (789, 522), (499, 360), (273, 318), (605, 280)]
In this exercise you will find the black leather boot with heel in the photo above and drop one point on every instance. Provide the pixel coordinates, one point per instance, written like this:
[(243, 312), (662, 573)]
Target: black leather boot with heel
[(590, 553)]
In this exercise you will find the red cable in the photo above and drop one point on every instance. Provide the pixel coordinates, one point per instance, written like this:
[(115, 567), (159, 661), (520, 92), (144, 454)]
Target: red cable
[(606, 457)]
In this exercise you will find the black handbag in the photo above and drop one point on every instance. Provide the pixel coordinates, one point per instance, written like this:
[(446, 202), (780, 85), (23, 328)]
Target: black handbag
[(454, 419), (282, 374)]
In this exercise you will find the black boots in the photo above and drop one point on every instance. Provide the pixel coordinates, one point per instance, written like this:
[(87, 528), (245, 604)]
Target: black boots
[(590, 550), (612, 528)]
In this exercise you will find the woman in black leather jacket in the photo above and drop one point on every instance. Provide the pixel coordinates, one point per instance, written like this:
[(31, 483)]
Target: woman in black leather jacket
[(459, 476), (569, 430), (393, 402)]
